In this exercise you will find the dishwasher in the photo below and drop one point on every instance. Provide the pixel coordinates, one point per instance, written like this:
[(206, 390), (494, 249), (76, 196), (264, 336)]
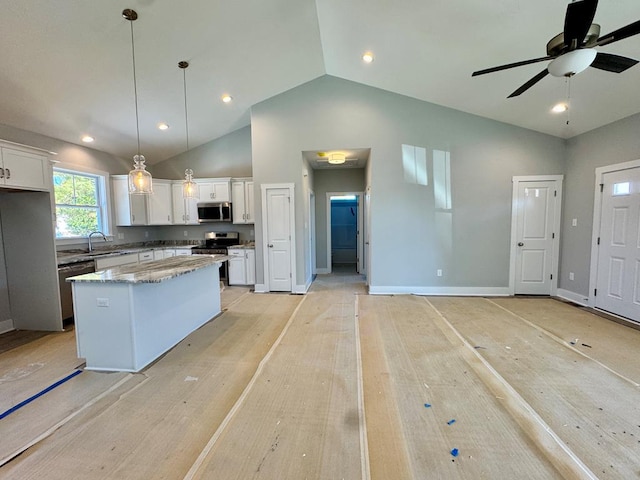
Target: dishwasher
[(64, 272)]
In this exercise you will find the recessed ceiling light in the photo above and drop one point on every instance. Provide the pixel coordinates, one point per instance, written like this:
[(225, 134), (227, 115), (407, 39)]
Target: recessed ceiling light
[(163, 126), (226, 98), (87, 139), (560, 107), (367, 57)]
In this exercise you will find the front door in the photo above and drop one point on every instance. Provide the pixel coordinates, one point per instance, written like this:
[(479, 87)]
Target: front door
[(535, 238), (618, 280), (278, 234)]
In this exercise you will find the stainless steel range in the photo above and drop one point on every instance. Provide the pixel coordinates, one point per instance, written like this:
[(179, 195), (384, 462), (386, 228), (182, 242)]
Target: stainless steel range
[(216, 243)]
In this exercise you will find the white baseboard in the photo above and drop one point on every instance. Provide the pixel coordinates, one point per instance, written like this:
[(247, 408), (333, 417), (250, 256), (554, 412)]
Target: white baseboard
[(6, 326), (260, 288), (573, 297), (323, 271), (462, 291), (301, 289)]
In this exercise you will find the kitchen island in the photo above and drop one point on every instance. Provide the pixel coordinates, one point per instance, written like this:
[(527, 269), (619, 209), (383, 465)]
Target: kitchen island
[(126, 317)]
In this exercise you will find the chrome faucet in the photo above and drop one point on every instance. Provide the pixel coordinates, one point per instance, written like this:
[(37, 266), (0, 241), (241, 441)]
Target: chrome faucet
[(96, 233)]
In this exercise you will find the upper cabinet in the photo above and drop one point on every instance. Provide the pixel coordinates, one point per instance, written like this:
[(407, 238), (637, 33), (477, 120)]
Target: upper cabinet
[(214, 190), (185, 210), (242, 199), (24, 170), (154, 209)]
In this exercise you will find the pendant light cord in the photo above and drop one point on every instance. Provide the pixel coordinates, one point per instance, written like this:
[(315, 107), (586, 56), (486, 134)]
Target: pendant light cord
[(186, 116), (135, 85)]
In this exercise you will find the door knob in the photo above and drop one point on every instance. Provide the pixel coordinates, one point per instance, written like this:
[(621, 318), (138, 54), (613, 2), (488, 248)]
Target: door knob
[(520, 244), (270, 245)]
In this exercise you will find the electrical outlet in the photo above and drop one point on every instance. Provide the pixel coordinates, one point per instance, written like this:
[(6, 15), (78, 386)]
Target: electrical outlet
[(146, 234), (185, 233), (574, 222), (571, 276), (439, 272), (120, 236), (102, 302)]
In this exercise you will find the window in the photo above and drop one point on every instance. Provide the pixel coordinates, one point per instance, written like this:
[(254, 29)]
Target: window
[(80, 203)]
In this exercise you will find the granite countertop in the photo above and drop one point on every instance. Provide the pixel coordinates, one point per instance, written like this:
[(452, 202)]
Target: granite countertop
[(75, 256), (151, 272), (244, 246)]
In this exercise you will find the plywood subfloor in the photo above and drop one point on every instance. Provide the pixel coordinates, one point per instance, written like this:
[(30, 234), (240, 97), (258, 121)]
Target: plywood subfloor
[(339, 384)]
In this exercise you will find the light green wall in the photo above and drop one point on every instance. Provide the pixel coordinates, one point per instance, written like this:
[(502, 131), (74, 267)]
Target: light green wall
[(485, 154)]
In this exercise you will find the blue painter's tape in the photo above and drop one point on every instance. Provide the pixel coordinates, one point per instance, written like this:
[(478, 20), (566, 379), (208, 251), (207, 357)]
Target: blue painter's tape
[(427, 405), (454, 452), (451, 422), (39, 394)]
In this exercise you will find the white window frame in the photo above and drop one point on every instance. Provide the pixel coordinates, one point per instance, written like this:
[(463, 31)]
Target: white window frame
[(104, 199)]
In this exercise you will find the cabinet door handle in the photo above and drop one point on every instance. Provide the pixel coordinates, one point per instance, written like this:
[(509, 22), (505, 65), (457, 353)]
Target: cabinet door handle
[(1, 172), (8, 174)]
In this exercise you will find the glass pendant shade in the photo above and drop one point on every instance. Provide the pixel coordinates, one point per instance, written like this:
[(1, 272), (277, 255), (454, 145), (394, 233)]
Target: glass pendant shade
[(140, 182), (189, 187)]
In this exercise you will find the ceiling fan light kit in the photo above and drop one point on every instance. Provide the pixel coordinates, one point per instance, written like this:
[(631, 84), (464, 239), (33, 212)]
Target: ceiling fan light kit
[(573, 50)]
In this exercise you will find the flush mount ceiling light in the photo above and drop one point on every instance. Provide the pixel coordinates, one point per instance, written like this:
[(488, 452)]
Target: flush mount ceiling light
[(367, 57), (189, 187), (87, 139), (227, 98), (163, 126), (560, 107), (140, 182), (337, 158)]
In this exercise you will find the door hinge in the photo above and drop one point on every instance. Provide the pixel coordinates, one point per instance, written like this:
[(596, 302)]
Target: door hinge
[(601, 187), (552, 276), (598, 240), (595, 292), (553, 235)]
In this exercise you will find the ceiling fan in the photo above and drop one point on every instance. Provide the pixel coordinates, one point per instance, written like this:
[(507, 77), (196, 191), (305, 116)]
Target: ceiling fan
[(573, 50)]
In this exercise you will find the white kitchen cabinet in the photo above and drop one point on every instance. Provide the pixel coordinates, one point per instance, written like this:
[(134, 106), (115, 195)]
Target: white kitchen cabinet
[(169, 252), (153, 209), (24, 170), (108, 262), (160, 204), (129, 209), (185, 210), (183, 251), (242, 266), (214, 190), (158, 254), (242, 199)]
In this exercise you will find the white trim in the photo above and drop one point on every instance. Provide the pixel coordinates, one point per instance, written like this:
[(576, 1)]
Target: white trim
[(292, 230), (573, 297), (597, 213), (6, 326), (558, 179), (462, 291), (323, 271), (301, 289), (260, 288)]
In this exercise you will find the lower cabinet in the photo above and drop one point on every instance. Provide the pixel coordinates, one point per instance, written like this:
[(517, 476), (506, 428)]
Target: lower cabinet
[(102, 263), (242, 266)]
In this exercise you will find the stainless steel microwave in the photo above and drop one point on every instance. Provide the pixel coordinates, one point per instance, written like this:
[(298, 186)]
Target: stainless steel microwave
[(214, 212)]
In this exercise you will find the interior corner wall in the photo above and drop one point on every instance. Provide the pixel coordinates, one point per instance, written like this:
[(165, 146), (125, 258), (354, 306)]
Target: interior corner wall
[(227, 156), (472, 246), (617, 142), (329, 180)]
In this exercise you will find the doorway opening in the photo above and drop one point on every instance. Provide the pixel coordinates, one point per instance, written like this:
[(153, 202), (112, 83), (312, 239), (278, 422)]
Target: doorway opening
[(344, 232)]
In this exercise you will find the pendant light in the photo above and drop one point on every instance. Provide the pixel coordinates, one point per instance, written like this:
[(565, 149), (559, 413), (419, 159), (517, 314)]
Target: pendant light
[(140, 182), (189, 187)]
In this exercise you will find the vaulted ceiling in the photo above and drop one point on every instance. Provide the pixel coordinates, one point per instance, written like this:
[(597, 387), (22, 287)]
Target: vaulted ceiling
[(67, 65)]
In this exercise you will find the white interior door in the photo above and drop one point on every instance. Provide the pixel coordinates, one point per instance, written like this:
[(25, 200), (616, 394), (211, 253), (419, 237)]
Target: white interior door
[(278, 235), (618, 281), (535, 214)]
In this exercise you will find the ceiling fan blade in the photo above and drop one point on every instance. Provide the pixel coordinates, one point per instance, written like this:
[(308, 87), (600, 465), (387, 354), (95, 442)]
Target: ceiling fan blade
[(612, 63), (577, 22), (510, 65), (620, 34), (530, 83)]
